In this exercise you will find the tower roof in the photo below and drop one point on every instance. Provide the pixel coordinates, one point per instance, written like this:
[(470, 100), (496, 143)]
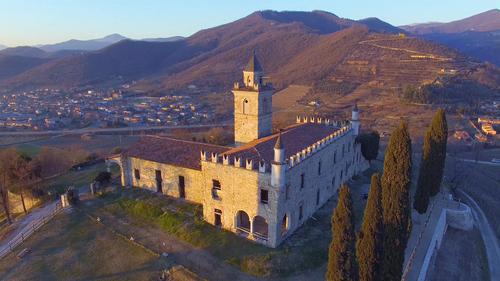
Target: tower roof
[(253, 64)]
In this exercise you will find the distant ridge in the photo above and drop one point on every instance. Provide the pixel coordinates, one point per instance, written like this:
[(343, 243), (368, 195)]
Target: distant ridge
[(83, 45), (486, 21), (316, 48), (477, 36)]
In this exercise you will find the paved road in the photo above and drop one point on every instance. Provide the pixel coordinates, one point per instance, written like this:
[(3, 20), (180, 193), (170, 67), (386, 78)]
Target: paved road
[(489, 237), (478, 162), (22, 225), (107, 130)]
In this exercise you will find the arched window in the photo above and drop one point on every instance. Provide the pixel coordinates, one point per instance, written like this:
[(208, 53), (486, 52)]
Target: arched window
[(246, 106), (260, 228), (242, 222), (285, 225)]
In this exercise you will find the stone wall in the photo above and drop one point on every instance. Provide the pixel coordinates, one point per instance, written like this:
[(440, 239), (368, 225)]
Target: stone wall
[(170, 179), (253, 120), (333, 175), (460, 217), (240, 191)]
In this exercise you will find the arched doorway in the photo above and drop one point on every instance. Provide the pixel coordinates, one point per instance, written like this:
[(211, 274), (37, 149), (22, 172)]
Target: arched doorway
[(114, 166), (242, 222), (260, 227), (285, 225)]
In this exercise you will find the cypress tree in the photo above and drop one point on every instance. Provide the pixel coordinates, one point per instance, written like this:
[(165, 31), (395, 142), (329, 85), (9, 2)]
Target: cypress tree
[(421, 199), (439, 136), (433, 161), (370, 240), (396, 202), (341, 256)]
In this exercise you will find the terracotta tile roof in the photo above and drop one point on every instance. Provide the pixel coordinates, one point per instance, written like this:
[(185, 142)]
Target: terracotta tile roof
[(171, 151), (293, 139)]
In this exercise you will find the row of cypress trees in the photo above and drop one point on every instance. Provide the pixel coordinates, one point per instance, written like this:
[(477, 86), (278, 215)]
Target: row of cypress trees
[(378, 253), (432, 164)]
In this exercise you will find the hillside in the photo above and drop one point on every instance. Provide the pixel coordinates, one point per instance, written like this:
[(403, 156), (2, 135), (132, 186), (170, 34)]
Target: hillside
[(487, 21), (477, 36), (316, 48), (12, 65)]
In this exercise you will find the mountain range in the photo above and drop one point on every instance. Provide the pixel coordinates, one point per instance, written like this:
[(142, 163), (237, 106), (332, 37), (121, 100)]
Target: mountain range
[(477, 36), (316, 48)]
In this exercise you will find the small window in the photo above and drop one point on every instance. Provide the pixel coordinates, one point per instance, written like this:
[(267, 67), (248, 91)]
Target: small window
[(341, 175), (137, 174), (333, 182), (319, 168), (264, 196), (335, 157), (216, 184), (287, 191), (216, 189), (217, 217), (300, 212), (317, 197), (301, 180)]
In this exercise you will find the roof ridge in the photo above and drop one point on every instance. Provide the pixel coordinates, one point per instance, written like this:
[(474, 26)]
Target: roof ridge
[(188, 141)]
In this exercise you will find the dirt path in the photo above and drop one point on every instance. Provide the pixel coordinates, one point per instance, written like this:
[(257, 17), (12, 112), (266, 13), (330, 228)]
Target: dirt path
[(489, 238), (417, 53), (25, 223)]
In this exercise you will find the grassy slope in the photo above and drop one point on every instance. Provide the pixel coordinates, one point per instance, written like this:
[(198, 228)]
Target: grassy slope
[(71, 247)]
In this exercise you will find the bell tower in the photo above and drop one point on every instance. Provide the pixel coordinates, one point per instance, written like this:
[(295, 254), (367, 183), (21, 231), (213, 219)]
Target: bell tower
[(252, 104)]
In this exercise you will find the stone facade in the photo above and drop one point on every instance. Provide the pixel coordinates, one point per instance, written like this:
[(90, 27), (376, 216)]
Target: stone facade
[(268, 185), (252, 114)]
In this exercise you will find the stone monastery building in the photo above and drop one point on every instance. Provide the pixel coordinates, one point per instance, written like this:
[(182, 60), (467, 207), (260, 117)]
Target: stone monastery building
[(266, 185)]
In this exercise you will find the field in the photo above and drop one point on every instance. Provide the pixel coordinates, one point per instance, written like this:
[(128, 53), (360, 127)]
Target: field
[(79, 249), (101, 144)]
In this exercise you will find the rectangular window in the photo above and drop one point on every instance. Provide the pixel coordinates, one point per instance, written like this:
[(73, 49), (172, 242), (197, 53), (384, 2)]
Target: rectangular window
[(300, 212), (335, 157), (264, 196), (317, 197), (217, 217), (287, 191), (216, 189), (182, 187), (301, 180), (137, 174), (333, 182), (216, 184), (319, 168)]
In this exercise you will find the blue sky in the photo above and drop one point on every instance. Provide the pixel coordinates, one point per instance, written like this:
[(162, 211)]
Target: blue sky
[(29, 22)]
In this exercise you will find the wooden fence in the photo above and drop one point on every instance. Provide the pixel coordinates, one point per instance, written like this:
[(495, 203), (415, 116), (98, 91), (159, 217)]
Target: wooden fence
[(28, 230)]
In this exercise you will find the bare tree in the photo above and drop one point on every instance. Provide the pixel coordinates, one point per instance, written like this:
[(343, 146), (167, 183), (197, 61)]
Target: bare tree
[(6, 157)]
